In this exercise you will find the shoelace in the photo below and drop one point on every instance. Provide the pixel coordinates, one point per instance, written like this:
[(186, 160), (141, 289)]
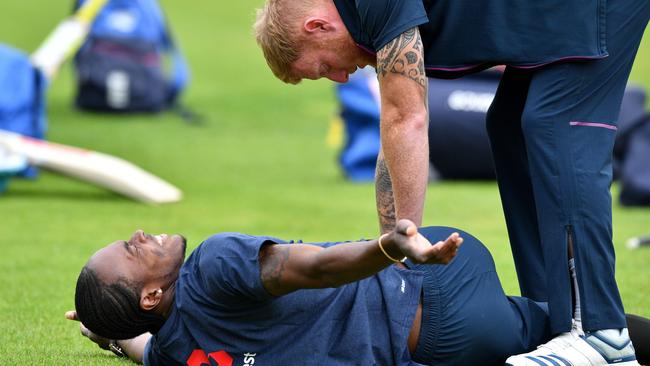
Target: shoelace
[(576, 328), (564, 340)]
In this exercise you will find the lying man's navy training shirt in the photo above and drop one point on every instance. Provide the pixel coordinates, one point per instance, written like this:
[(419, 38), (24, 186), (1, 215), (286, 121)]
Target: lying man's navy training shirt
[(464, 36), (223, 315)]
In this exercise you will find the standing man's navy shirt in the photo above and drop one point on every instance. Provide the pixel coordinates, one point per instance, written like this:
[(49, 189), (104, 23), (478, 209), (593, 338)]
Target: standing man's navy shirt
[(464, 36), (223, 315)]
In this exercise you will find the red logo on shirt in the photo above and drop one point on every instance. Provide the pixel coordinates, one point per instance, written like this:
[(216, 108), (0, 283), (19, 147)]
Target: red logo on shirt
[(198, 358)]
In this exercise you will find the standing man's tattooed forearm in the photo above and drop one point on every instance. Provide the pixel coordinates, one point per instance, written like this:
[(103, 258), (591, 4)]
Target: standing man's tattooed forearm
[(384, 197), (399, 64)]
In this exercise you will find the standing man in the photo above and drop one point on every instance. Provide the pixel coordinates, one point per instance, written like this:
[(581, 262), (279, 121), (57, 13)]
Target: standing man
[(552, 127)]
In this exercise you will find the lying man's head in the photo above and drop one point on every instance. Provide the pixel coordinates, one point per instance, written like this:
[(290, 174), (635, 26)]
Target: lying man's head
[(127, 288)]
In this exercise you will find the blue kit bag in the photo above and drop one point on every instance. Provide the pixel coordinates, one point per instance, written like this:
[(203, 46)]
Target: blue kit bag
[(22, 100), (459, 147), (129, 62)]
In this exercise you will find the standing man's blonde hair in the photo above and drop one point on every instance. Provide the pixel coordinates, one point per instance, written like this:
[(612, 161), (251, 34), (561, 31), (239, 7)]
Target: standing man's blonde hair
[(277, 31)]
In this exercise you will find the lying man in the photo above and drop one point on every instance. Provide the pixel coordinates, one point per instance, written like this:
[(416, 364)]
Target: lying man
[(240, 300)]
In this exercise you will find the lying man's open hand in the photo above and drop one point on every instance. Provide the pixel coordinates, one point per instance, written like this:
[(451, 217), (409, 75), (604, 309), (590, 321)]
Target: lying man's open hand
[(418, 249)]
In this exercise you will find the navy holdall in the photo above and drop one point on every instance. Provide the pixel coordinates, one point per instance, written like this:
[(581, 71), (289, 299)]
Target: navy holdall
[(129, 62)]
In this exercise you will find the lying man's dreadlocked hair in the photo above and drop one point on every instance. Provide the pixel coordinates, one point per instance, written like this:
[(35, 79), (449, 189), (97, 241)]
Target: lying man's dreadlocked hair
[(112, 310)]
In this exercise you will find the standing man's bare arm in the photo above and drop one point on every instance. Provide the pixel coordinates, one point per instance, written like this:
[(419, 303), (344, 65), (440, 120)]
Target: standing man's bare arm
[(403, 163)]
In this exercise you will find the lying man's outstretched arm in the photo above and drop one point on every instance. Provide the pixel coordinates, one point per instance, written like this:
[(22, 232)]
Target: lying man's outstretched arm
[(288, 267)]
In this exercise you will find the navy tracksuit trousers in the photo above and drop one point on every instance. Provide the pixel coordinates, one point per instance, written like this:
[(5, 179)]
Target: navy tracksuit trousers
[(466, 317), (552, 133)]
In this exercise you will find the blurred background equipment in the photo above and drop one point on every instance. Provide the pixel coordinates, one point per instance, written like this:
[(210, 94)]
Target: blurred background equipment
[(66, 38), (632, 149), (129, 61), (459, 148), (24, 82), (22, 98), (639, 241), (10, 165), (359, 111), (101, 169)]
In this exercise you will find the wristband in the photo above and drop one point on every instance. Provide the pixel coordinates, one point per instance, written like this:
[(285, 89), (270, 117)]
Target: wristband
[(116, 349), (381, 247)]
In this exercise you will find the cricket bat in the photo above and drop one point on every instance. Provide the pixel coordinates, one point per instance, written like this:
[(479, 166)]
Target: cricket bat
[(66, 38), (101, 169)]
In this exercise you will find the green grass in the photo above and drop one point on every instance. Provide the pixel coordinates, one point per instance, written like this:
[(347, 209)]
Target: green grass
[(260, 165)]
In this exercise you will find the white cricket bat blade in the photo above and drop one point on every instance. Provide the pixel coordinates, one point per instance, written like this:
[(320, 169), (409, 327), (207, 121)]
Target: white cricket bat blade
[(101, 169)]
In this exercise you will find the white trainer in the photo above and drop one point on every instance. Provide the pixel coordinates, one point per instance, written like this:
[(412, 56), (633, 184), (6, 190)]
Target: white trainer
[(604, 347)]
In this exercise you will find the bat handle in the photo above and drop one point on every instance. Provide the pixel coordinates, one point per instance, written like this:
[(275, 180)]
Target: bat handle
[(89, 10)]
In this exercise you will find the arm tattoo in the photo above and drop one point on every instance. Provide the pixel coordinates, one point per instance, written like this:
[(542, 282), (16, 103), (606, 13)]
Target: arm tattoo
[(384, 197), (403, 56), (272, 260)]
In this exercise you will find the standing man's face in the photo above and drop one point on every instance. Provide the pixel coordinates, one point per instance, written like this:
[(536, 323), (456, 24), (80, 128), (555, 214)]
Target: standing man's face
[(325, 63), (334, 57)]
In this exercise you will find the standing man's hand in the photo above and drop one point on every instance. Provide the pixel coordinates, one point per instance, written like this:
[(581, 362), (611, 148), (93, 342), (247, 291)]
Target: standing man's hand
[(403, 163), (418, 249)]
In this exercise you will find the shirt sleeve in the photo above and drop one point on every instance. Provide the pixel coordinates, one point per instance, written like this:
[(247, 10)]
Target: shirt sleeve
[(147, 359), (230, 269), (152, 355), (384, 20)]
